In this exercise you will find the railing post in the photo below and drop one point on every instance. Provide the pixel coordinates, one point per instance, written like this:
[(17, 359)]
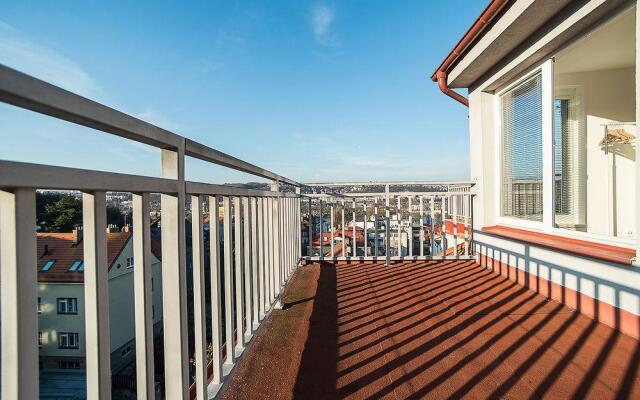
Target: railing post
[(375, 239), (261, 259), (310, 230), (432, 204), (364, 230), (199, 311), (248, 265), (174, 274), (387, 227), (216, 300), (421, 226), (332, 224), (255, 261), (454, 217), (143, 297), (321, 233), (271, 258), (19, 294), (239, 306), (355, 239), (96, 295), (228, 284)]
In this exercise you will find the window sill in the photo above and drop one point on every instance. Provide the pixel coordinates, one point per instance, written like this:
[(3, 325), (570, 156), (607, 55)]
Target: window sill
[(583, 248)]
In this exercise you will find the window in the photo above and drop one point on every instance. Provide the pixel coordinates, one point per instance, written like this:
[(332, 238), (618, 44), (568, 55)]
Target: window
[(67, 305), (77, 265), (129, 262), (67, 340), (594, 132), (39, 305), (126, 351), (47, 266), (521, 153), (40, 339), (69, 364)]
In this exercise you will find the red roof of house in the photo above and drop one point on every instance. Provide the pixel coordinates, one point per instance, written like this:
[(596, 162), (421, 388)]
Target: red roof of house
[(62, 249)]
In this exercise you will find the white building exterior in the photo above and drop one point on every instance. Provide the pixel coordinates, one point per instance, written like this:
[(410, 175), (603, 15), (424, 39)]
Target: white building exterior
[(553, 105), (61, 309)]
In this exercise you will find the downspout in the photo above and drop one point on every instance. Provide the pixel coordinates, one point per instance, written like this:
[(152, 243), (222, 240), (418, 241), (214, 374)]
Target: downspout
[(440, 76)]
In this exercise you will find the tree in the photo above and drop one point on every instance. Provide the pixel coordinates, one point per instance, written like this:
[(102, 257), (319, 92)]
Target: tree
[(63, 215)]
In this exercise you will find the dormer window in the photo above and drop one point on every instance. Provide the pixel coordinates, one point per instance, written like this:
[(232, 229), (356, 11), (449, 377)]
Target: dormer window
[(77, 266), (47, 266)]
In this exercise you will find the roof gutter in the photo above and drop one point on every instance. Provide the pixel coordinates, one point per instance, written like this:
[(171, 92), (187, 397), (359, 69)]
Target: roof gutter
[(440, 75)]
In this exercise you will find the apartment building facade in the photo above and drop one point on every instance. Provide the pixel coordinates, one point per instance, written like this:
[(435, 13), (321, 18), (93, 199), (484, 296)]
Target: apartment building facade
[(61, 305), (553, 105)]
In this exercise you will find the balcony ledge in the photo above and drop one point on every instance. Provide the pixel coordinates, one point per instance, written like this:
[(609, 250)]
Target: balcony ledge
[(614, 254)]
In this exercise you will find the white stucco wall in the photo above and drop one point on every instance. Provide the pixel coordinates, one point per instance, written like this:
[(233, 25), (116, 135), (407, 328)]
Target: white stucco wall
[(121, 308), (614, 284)]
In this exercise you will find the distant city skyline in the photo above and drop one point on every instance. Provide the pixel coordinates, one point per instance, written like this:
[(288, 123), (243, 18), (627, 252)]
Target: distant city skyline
[(314, 91)]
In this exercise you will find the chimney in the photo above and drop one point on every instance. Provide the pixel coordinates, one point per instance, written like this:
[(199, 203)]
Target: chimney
[(77, 235), (111, 228)]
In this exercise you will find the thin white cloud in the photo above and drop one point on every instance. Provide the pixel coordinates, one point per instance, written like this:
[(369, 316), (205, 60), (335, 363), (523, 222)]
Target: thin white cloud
[(44, 63), (322, 18)]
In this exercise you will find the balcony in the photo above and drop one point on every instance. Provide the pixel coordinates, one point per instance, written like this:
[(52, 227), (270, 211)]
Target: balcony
[(301, 291)]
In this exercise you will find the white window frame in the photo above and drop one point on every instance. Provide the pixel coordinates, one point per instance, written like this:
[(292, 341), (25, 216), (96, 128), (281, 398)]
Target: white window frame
[(67, 301), (545, 68), (66, 337)]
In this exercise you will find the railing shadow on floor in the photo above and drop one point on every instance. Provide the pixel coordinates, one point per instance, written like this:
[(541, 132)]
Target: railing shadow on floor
[(450, 328)]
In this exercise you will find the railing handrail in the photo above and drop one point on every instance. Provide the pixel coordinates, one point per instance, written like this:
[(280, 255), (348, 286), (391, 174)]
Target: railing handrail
[(28, 92), (390, 183)]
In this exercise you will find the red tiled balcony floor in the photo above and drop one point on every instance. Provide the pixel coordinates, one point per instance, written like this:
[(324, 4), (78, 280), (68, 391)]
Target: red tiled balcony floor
[(442, 329)]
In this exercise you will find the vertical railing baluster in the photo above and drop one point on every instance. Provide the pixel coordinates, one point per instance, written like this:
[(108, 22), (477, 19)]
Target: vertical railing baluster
[(96, 295), (310, 230), (255, 261), (174, 274), (247, 265), (238, 265), (387, 229), (143, 297), (344, 238), (216, 298), (228, 282), (355, 240), (261, 259), (421, 226), (364, 230), (444, 226), (399, 213), (375, 228), (454, 217), (321, 232), (272, 260), (276, 237), (467, 224), (199, 310), (432, 205), (332, 224), (18, 274)]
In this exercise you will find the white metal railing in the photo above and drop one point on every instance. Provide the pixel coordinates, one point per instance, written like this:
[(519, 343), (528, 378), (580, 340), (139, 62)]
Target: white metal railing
[(349, 224), (260, 249)]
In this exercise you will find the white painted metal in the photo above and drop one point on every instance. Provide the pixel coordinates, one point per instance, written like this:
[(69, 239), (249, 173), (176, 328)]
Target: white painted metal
[(247, 266), (255, 261), (454, 217), (421, 226), (332, 225), (364, 230), (174, 279), (96, 295), (228, 282), (432, 215), (238, 265), (199, 310), (216, 297), (321, 232), (261, 259), (354, 241), (19, 294), (143, 300)]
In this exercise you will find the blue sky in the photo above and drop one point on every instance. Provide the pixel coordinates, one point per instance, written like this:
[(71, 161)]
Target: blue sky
[(315, 91)]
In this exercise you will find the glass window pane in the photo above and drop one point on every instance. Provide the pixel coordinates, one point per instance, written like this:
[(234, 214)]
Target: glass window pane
[(522, 150)]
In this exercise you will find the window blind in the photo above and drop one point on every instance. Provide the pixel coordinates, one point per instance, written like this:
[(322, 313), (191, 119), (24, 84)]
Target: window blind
[(521, 109)]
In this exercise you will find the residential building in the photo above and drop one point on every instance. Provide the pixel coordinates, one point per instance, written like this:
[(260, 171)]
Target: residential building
[(553, 107), (61, 305)]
